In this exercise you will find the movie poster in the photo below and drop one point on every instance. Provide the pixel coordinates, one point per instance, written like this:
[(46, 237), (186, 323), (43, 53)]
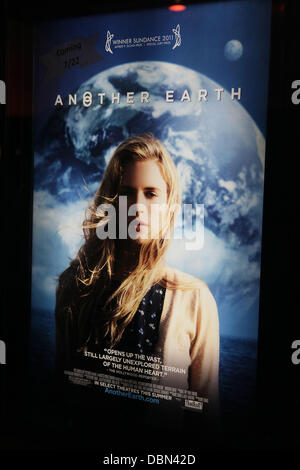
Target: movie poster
[(196, 82)]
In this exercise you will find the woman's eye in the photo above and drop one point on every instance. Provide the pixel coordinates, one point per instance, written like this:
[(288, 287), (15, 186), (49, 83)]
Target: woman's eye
[(151, 194)]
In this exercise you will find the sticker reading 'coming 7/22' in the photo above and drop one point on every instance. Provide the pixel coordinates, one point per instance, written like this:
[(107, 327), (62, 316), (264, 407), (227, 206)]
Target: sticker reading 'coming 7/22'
[(79, 51)]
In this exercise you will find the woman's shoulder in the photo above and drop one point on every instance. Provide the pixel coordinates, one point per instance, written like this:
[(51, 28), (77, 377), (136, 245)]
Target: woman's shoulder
[(68, 276), (196, 293), (66, 285), (66, 295), (184, 278)]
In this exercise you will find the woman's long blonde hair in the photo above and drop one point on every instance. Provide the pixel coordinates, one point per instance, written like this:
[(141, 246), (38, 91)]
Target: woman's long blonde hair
[(95, 260)]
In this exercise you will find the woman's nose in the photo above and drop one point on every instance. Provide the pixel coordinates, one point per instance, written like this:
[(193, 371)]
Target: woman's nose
[(140, 198), (140, 203)]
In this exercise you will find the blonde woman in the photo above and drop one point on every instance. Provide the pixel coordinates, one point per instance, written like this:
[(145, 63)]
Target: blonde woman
[(118, 292)]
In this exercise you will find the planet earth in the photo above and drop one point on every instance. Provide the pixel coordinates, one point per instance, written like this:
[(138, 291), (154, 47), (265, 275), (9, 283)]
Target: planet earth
[(218, 151)]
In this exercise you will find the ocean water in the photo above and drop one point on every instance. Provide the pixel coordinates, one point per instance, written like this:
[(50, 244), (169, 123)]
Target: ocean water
[(237, 364), (238, 359)]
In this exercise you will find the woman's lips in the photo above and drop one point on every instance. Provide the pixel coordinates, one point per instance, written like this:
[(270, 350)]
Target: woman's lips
[(139, 224)]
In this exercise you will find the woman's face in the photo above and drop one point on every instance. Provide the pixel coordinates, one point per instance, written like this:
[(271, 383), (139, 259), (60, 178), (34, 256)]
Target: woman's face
[(146, 192)]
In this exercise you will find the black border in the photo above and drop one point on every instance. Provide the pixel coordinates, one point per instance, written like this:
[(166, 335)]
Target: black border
[(274, 425)]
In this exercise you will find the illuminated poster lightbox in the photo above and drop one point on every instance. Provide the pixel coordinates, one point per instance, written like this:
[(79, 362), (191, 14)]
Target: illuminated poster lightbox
[(149, 149)]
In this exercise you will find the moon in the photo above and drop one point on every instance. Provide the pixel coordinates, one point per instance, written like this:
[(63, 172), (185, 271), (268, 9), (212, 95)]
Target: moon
[(233, 50)]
